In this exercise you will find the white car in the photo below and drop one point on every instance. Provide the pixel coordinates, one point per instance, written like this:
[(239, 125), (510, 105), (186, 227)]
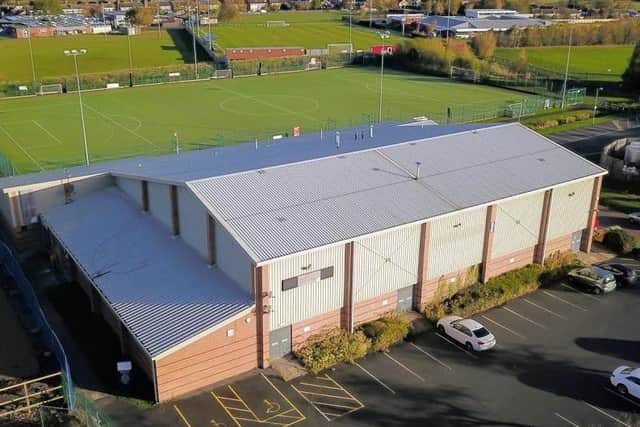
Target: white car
[(626, 380), (467, 332), (634, 217)]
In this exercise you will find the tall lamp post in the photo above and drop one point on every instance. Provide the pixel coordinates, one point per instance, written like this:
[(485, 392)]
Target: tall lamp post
[(75, 53), (27, 33), (566, 70), (595, 105), (350, 41), (130, 58), (383, 35)]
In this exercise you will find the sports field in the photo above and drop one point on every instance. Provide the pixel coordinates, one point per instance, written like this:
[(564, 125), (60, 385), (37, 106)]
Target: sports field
[(604, 63), (306, 29), (44, 132), (104, 54)]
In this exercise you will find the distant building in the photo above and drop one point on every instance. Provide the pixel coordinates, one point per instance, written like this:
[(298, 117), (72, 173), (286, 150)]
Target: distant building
[(464, 27), (256, 5)]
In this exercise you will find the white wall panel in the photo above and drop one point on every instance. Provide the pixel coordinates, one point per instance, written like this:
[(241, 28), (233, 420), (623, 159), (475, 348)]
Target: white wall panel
[(193, 221), (569, 208), (132, 187), (385, 262), (517, 224), (455, 242), (160, 203), (232, 259), (306, 301)]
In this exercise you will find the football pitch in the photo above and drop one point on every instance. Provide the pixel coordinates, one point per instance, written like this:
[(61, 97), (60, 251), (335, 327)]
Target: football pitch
[(45, 132)]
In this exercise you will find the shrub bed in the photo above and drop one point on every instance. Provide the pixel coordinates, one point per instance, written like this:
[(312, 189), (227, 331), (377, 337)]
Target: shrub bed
[(326, 350), (386, 331), (620, 241)]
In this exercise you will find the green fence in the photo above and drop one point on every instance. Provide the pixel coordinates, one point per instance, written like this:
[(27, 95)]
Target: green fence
[(88, 413)]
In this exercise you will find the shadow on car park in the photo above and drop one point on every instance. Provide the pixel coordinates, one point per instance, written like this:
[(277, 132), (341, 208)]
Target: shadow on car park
[(622, 349)]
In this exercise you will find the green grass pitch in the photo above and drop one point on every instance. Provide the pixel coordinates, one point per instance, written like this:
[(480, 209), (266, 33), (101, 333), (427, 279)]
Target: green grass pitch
[(607, 63), (44, 132), (104, 54)]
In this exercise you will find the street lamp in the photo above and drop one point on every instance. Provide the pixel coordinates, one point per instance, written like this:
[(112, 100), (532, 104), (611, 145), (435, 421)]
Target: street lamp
[(383, 35), (566, 70), (130, 58), (350, 41), (27, 33), (75, 53), (595, 105)]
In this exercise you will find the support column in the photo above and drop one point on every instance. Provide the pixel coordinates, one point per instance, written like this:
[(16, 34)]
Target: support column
[(16, 211), (211, 239), (541, 247), (587, 236), (261, 291), (423, 259), (489, 229), (175, 211), (145, 195), (346, 314)]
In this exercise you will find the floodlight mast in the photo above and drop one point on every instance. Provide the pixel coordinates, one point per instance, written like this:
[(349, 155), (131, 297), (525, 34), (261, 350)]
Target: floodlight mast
[(383, 35), (75, 53)]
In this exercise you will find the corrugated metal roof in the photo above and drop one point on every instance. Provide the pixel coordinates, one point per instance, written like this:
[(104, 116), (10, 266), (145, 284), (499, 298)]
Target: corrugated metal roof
[(161, 290), (292, 208)]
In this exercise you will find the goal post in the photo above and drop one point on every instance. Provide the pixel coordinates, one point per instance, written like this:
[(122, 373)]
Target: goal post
[(222, 74), (50, 89), (576, 96), (270, 24), (339, 48), (465, 74)]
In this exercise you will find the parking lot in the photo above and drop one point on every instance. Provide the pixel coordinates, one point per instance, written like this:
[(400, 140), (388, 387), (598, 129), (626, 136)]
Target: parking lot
[(556, 348)]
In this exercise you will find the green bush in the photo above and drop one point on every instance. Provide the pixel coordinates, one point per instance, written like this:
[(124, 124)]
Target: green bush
[(386, 331), (619, 241), (325, 350), (583, 115), (566, 119)]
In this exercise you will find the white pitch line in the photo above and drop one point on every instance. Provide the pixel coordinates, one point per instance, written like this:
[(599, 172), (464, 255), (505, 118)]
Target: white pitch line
[(595, 408), (564, 301), (403, 366), (120, 125), (504, 327), (580, 292), (379, 381), (622, 396), (568, 421), (533, 322), (432, 357), (55, 138), (544, 308), (21, 148), (457, 346)]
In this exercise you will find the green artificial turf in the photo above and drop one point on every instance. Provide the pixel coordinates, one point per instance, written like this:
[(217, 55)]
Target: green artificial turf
[(44, 132)]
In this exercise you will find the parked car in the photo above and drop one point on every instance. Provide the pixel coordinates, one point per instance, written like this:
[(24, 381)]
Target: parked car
[(626, 380), (634, 217), (624, 274), (594, 278), (467, 332)]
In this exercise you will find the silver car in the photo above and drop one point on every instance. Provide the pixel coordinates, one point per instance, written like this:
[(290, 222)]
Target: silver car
[(596, 279)]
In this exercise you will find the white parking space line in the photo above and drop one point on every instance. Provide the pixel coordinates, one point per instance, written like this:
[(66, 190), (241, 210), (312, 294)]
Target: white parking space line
[(595, 408), (403, 366), (379, 381), (566, 420), (533, 322), (432, 357), (504, 327), (543, 308), (633, 402), (580, 292), (457, 346), (564, 301)]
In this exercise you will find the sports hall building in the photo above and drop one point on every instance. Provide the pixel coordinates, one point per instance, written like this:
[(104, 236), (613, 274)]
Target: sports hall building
[(212, 263)]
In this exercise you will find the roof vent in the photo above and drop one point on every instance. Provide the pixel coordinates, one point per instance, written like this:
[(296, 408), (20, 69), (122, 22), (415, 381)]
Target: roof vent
[(262, 171), (412, 143), (341, 157), (540, 159), (281, 219), (418, 170), (338, 139)]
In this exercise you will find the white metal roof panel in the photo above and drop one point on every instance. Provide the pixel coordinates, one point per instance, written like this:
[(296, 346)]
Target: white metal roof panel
[(161, 290)]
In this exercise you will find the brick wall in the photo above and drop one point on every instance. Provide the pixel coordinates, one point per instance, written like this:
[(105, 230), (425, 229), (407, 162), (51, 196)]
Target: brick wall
[(301, 331), (375, 308), (559, 244), (210, 359), (509, 262), (430, 287)]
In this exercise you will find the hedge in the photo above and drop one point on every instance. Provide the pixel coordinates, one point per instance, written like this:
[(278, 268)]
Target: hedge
[(620, 241), (326, 350), (386, 331)]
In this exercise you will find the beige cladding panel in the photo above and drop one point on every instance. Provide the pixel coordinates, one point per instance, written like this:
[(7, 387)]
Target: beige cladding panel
[(570, 208), (385, 262), (456, 242), (193, 222), (160, 203), (309, 299), (517, 224), (231, 258)]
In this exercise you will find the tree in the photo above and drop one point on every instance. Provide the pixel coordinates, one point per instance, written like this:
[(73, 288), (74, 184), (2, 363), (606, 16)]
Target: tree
[(49, 7), (316, 4), (522, 63), (142, 16), (631, 76), (484, 45), (228, 11)]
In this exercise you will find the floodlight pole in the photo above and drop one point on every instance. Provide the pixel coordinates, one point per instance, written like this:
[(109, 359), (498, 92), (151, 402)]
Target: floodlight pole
[(448, 17), (595, 105), (175, 134), (193, 34), (350, 42), (383, 35), (370, 13), (566, 70), (159, 20), (75, 53), (130, 59), (209, 24), (33, 65)]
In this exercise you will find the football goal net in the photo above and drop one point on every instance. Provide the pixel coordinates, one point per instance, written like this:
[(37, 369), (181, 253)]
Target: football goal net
[(222, 74), (465, 74), (314, 64), (277, 24), (339, 48), (575, 96), (50, 89)]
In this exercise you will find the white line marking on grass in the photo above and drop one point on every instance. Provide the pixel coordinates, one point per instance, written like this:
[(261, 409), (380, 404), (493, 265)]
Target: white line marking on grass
[(504, 327), (622, 396), (55, 138), (564, 301), (580, 292), (21, 148), (119, 124), (568, 421), (533, 322), (595, 408), (457, 346), (379, 381), (403, 366), (544, 308), (432, 357)]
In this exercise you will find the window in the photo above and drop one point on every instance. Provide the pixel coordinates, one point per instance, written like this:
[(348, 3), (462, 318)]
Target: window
[(307, 278)]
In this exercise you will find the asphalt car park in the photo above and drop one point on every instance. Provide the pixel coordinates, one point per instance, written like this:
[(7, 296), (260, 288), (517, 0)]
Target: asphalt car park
[(555, 351)]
